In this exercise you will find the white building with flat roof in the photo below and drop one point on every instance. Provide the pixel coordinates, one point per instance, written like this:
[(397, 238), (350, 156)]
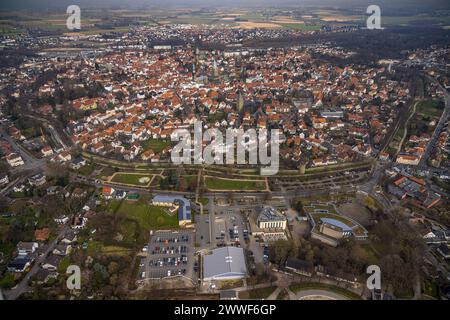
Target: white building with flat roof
[(271, 218)]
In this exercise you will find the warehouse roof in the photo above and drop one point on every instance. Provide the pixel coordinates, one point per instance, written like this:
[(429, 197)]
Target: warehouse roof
[(225, 262)]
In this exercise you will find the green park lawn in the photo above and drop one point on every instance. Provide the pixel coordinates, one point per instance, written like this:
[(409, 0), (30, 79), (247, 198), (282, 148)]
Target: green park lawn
[(224, 184), (147, 216), (131, 178)]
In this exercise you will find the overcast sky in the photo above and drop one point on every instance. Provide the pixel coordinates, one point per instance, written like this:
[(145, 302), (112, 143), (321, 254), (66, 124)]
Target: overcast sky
[(133, 4)]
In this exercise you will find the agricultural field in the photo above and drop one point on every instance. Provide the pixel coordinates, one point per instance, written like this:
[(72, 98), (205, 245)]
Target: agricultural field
[(90, 25), (301, 26), (123, 20)]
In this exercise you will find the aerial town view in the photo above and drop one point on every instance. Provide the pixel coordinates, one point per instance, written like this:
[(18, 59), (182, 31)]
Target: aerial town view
[(225, 150)]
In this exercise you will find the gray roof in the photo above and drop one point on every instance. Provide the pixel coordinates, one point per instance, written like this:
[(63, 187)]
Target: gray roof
[(269, 213), (224, 262), (53, 260)]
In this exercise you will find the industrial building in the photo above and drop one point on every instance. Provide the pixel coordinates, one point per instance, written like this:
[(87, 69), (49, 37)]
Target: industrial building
[(226, 263)]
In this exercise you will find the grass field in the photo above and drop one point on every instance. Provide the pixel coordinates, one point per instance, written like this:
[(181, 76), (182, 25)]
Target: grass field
[(86, 170), (105, 173), (224, 184), (432, 108), (261, 293), (147, 216), (190, 179), (370, 251), (133, 179), (115, 251), (157, 145), (203, 201)]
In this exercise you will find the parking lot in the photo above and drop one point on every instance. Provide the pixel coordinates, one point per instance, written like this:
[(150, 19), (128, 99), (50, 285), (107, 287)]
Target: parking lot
[(170, 254), (203, 232), (233, 229)]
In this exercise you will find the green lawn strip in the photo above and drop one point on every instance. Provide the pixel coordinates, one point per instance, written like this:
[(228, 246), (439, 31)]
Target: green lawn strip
[(326, 287), (86, 170), (115, 250), (131, 178), (224, 184)]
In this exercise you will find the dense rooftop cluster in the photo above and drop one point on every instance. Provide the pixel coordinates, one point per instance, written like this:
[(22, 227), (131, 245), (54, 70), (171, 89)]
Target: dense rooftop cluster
[(327, 114)]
